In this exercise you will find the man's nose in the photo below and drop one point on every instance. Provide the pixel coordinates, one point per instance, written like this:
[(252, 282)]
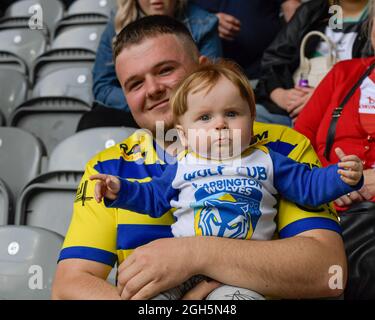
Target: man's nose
[(154, 88)]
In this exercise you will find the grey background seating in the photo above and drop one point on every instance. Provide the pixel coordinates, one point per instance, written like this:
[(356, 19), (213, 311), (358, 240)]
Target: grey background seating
[(13, 90), (59, 59), (79, 31), (25, 43), (50, 119), (20, 158), (24, 252), (71, 68), (2, 119), (92, 6), (74, 152), (6, 204), (53, 11), (11, 61), (74, 82), (47, 201)]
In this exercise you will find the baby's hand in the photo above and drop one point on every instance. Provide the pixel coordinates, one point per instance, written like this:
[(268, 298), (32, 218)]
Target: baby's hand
[(107, 186), (352, 168)]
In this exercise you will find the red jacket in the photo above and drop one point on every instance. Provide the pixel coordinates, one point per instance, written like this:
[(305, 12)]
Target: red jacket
[(315, 118)]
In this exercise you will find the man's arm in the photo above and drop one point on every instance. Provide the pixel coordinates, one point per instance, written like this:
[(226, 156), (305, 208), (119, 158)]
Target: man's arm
[(295, 267), (82, 279)]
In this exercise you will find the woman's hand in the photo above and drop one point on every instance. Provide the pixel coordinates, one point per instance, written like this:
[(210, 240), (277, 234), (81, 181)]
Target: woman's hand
[(229, 26)]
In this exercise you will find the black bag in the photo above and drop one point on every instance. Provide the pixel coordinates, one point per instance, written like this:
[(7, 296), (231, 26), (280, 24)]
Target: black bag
[(358, 224)]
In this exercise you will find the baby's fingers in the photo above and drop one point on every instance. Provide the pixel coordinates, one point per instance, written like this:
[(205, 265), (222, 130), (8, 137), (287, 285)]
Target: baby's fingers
[(100, 189), (350, 177), (351, 165)]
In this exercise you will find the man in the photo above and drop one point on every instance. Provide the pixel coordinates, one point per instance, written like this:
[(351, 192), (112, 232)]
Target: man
[(151, 56)]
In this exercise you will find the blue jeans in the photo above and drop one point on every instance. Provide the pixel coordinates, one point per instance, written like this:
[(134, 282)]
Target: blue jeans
[(263, 115)]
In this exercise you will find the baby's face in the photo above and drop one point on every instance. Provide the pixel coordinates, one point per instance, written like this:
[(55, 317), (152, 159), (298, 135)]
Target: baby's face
[(218, 124)]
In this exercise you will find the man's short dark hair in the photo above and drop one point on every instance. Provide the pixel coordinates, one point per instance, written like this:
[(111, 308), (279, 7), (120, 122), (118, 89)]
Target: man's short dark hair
[(151, 26)]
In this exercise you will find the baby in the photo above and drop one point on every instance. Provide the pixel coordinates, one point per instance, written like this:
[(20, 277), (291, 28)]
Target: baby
[(222, 185)]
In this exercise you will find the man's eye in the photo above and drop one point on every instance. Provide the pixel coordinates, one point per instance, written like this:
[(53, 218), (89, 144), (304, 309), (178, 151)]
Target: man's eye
[(135, 85), (166, 71), (205, 117), (231, 114)]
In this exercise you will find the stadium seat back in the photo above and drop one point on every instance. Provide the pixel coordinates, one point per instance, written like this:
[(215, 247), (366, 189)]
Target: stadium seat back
[(75, 82), (52, 11), (5, 204), (28, 257), (92, 6), (47, 201), (13, 90), (27, 44), (11, 61), (51, 119), (74, 152), (20, 158), (81, 36)]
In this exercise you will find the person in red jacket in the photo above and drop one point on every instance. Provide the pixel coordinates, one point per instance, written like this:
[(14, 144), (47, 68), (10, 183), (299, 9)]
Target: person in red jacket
[(355, 131)]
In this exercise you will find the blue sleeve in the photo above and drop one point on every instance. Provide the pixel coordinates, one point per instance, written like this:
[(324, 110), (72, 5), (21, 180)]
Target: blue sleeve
[(312, 187), (152, 198), (106, 87)]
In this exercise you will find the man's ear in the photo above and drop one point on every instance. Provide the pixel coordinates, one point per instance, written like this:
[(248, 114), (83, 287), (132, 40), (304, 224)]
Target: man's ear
[(181, 135), (203, 60)]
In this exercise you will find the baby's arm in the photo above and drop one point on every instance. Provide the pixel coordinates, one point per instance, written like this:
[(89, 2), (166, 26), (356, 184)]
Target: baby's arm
[(151, 198), (311, 187)]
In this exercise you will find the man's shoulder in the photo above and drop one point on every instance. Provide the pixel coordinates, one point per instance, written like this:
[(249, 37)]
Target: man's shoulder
[(266, 132), (132, 149)]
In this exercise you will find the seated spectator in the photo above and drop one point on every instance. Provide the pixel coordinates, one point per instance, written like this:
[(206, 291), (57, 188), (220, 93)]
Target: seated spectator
[(202, 25), (98, 237), (354, 133), (279, 100), (240, 22)]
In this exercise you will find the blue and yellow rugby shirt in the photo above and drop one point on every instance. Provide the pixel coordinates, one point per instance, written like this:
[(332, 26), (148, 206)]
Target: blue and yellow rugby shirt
[(109, 235)]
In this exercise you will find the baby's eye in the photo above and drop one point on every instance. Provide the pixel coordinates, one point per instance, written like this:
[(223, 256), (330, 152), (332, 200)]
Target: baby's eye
[(205, 117), (231, 114)]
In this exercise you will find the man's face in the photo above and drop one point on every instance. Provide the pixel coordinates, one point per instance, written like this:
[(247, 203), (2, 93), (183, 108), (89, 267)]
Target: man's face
[(148, 72)]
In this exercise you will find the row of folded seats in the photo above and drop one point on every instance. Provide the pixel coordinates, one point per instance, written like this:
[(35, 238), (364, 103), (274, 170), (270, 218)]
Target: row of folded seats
[(55, 61), (46, 86), (36, 199)]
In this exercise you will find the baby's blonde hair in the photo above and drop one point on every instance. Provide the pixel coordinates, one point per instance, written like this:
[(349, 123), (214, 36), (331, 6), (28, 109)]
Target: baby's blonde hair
[(205, 77)]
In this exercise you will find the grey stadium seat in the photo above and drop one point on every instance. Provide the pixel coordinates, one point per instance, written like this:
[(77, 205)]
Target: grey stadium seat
[(50, 119), (27, 262), (20, 158), (6, 204), (92, 6), (13, 90), (47, 201), (79, 31), (53, 11), (11, 61), (71, 68), (74, 152), (27, 44)]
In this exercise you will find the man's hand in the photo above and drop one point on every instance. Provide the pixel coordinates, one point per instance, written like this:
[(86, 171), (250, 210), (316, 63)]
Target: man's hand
[(107, 186), (229, 26), (156, 267), (352, 168)]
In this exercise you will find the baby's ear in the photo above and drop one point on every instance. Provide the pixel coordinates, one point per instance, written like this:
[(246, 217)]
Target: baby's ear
[(181, 135)]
